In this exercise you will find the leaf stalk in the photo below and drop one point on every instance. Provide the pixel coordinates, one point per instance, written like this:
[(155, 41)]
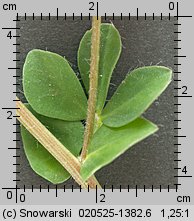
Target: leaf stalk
[(94, 66)]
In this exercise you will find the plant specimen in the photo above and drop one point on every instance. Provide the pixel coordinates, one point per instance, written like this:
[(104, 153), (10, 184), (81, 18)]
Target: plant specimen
[(64, 133)]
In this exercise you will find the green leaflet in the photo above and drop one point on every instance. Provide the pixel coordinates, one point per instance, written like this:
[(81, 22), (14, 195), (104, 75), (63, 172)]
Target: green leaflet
[(108, 143), (70, 134), (110, 48), (52, 88), (136, 93), (58, 100)]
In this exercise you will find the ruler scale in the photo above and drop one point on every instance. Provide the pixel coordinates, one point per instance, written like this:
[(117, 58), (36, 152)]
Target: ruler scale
[(173, 196)]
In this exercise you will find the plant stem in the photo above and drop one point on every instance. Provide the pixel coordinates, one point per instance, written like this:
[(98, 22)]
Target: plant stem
[(94, 65), (46, 138)]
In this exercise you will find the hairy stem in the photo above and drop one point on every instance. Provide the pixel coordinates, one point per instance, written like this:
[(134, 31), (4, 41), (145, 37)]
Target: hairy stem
[(95, 48), (46, 138)]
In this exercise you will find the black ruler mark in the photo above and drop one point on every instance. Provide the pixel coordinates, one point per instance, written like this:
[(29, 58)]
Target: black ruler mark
[(10, 28), (17, 17), (97, 10), (56, 191), (137, 13)]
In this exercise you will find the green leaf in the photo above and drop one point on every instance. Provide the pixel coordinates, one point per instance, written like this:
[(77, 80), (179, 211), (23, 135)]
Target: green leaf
[(108, 143), (70, 134), (110, 48), (52, 88), (136, 93)]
